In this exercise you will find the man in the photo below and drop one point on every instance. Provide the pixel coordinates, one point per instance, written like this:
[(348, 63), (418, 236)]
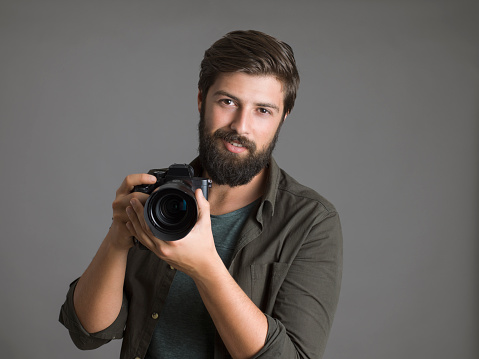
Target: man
[(259, 274)]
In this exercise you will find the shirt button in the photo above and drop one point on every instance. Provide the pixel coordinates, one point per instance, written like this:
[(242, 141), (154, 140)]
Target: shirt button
[(137, 358), (171, 267), (154, 315)]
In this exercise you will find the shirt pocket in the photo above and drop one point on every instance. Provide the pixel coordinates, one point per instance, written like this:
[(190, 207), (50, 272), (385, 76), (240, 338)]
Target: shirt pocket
[(266, 280)]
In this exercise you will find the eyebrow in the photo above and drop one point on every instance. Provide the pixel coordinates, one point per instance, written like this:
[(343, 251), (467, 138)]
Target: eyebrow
[(265, 104)]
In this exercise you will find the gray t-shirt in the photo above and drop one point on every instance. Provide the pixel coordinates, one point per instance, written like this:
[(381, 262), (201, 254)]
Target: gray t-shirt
[(185, 329)]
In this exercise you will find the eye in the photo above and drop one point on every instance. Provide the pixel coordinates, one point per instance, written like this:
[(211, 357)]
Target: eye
[(227, 102), (264, 111)]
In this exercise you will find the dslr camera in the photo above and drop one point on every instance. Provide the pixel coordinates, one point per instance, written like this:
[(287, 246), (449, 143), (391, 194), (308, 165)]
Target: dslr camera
[(171, 210)]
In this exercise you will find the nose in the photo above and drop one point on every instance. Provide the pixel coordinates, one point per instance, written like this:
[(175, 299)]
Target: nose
[(241, 122)]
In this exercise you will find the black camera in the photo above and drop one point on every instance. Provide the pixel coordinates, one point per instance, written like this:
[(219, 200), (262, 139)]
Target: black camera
[(171, 211)]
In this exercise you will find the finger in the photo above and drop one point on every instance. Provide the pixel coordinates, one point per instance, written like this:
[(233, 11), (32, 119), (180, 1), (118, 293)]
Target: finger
[(120, 204), (142, 197), (203, 205), (143, 231), (136, 227), (131, 229), (133, 180), (138, 209)]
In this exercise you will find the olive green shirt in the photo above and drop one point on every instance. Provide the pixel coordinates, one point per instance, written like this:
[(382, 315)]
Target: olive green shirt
[(288, 260)]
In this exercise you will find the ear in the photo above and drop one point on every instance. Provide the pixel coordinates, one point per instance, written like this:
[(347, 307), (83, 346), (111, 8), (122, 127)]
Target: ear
[(200, 100)]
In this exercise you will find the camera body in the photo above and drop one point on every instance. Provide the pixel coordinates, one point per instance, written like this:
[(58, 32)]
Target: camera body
[(171, 210)]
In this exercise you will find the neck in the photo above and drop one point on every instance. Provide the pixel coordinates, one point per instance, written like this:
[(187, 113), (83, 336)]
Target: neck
[(225, 199)]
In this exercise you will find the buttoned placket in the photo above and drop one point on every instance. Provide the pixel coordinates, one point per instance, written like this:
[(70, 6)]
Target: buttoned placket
[(160, 284)]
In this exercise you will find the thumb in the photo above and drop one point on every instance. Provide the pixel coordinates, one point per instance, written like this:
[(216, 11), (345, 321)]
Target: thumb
[(203, 204)]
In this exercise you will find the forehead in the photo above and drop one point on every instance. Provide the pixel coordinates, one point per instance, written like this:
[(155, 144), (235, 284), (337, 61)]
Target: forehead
[(249, 88)]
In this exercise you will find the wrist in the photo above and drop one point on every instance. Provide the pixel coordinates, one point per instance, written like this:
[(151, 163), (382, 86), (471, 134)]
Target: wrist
[(210, 271), (119, 238)]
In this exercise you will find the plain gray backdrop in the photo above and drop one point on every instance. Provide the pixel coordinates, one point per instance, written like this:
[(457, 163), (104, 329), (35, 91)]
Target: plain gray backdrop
[(385, 126)]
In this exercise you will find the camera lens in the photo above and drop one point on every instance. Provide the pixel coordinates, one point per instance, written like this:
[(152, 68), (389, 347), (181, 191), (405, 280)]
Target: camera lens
[(171, 212), (172, 208)]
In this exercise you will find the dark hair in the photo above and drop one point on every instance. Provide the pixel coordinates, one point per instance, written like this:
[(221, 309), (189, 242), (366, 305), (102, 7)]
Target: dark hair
[(254, 53)]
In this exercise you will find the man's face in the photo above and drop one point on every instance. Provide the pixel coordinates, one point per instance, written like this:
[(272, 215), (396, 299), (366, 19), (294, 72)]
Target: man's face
[(239, 124)]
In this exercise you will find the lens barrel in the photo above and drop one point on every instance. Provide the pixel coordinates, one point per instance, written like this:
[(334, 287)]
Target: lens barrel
[(171, 212)]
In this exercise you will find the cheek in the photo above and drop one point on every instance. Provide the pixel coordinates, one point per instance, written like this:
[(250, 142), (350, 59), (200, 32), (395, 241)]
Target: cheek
[(262, 138), (266, 135), (216, 118)]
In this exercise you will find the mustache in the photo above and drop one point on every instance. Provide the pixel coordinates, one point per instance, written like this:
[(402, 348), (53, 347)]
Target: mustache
[(230, 136)]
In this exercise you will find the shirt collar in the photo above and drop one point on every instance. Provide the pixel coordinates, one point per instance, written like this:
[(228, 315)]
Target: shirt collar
[(272, 183)]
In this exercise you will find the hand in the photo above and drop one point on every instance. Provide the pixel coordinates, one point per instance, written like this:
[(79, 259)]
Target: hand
[(194, 254), (121, 236)]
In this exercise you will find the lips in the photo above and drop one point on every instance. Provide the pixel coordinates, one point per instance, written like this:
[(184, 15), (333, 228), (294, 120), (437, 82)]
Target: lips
[(234, 142), (234, 147)]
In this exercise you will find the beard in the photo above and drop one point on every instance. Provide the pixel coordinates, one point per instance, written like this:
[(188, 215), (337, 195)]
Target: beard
[(227, 168)]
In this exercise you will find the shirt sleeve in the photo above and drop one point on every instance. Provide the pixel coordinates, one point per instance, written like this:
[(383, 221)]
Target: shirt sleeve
[(80, 337), (306, 303)]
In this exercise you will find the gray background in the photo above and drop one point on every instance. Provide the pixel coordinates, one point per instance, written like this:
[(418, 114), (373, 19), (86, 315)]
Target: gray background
[(385, 126)]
